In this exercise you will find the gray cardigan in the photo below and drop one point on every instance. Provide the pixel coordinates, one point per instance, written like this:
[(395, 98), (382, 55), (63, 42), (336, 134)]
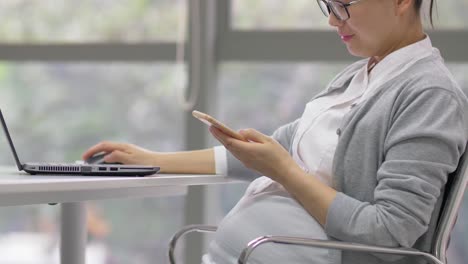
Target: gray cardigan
[(394, 154)]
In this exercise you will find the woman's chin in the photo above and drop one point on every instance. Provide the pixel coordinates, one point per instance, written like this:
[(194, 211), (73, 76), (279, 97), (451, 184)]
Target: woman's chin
[(356, 52)]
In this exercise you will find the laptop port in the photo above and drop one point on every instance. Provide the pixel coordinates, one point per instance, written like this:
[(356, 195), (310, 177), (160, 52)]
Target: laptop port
[(114, 169), (102, 168)]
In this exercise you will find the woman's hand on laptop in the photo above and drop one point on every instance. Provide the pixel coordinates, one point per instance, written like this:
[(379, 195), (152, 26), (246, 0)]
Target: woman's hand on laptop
[(122, 153)]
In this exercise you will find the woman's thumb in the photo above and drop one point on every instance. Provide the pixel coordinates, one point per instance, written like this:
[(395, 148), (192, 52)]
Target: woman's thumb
[(252, 135)]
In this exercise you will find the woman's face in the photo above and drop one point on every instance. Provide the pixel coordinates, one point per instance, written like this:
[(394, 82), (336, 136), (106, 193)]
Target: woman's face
[(372, 29)]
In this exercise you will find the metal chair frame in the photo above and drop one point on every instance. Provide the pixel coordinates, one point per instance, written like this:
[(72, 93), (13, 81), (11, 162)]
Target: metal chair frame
[(455, 189)]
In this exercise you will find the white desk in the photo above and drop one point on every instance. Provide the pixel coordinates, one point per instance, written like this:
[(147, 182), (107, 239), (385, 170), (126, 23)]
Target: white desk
[(19, 188)]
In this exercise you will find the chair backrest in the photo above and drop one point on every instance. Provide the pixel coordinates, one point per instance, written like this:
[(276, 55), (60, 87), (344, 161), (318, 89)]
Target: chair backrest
[(454, 190)]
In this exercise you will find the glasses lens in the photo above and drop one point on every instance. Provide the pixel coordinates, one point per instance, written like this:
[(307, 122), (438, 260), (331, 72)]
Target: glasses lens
[(324, 7), (339, 10)]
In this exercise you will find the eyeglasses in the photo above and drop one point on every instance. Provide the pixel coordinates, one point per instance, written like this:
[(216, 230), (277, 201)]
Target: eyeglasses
[(339, 9)]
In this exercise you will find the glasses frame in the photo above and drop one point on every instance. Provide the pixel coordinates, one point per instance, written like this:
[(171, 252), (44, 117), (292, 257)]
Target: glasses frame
[(331, 10)]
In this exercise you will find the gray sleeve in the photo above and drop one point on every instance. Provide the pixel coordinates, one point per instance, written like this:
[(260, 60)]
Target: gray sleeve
[(283, 135), (423, 145)]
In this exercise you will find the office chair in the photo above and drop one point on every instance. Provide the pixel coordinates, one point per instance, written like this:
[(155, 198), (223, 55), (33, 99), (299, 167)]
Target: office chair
[(454, 190)]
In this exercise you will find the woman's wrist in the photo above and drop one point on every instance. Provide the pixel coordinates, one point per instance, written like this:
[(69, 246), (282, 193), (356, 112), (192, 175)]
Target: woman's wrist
[(315, 196), (162, 160), (291, 172), (185, 162)]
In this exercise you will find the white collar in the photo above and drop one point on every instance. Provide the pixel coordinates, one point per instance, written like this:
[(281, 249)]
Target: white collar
[(392, 65), (396, 61)]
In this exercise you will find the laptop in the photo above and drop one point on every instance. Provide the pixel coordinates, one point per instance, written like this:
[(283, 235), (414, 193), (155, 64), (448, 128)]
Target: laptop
[(75, 168)]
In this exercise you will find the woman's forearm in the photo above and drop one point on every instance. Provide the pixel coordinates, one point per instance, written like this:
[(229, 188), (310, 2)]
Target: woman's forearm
[(196, 162), (315, 196)]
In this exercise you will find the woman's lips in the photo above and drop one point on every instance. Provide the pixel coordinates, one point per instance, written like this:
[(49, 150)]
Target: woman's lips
[(346, 38)]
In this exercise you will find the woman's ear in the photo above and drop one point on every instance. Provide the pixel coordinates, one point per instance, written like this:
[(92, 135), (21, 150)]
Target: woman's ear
[(403, 6)]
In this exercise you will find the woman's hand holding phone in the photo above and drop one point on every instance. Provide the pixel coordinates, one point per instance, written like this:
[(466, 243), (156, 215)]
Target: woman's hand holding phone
[(258, 152), (210, 121)]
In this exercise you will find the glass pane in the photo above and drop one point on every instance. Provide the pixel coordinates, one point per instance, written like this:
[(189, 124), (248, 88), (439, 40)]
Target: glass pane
[(459, 239), (65, 108), (54, 112), (451, 14), (266, 96), (459, 71), (277, 14), (300, 14), (28, 234), (119, 231), (139, 230), (90, 20)]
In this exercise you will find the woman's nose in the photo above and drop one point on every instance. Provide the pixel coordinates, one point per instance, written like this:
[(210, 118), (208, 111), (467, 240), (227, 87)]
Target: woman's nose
[(334, 21)]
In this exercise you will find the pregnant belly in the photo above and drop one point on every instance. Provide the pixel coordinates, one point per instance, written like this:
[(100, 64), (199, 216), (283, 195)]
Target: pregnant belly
[(266, 214)]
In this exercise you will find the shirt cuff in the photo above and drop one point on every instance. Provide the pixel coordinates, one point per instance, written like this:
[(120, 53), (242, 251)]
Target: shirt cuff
[(220, 160)]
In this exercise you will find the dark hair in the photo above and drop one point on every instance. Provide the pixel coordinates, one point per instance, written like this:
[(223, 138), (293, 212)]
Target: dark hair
[(418, 4)]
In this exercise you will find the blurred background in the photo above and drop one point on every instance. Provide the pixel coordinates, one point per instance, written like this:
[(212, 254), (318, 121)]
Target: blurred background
[(111, 72)]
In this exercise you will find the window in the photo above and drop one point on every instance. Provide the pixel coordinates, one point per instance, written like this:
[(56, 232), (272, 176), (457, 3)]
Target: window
[(40, 21), (57, 110), (277, 14), (266, 96), (65, 108), (459, 237), (305, 14), (119, 231)]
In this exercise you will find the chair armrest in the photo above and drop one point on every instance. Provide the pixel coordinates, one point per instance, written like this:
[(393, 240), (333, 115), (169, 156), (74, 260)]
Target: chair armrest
[(183, 231), (252, 245)]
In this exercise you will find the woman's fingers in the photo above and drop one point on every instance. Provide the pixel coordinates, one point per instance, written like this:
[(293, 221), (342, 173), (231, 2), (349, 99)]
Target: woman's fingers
[(253, 135), (117, 156), (218, 134), (103, 147), (122, 152), (237, 147)]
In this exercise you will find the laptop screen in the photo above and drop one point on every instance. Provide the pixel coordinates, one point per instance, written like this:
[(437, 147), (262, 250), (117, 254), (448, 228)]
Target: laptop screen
[(12, 147)]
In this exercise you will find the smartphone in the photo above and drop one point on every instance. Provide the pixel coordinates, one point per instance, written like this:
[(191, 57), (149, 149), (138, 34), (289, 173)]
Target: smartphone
[(210, 121)]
